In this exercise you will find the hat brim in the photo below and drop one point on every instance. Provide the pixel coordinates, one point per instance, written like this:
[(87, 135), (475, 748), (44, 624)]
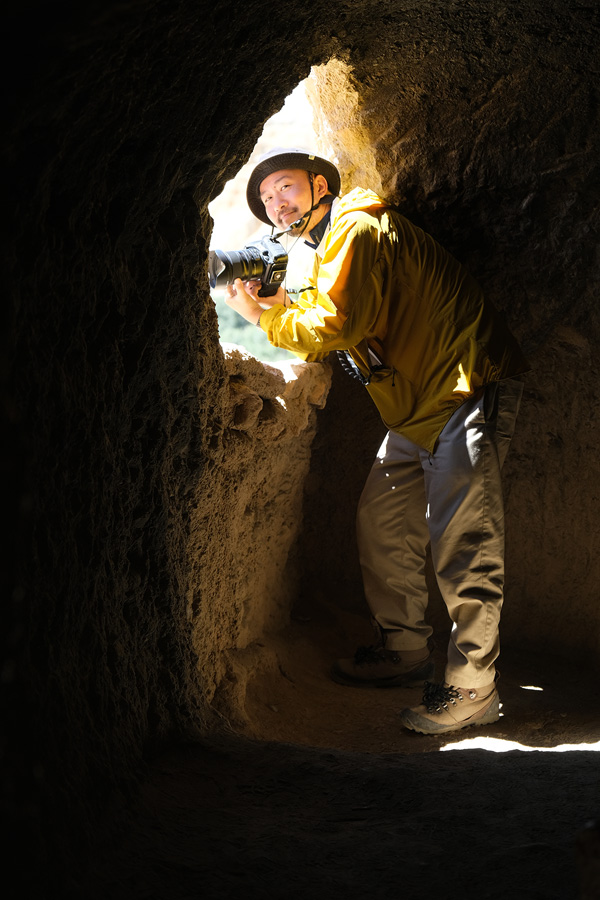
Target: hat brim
[(288, 159)]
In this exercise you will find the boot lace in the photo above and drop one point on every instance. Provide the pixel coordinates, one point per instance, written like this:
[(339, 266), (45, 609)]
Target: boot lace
[(436, 697)]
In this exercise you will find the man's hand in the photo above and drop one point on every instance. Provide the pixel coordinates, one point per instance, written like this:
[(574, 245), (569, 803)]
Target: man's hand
[(244, 299), (242, 302), (280, 297)]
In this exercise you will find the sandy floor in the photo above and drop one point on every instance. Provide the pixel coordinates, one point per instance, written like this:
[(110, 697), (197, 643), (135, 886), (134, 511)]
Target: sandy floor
[(326, 796), (544, 702)]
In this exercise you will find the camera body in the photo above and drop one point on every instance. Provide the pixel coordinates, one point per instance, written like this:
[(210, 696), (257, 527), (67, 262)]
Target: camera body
[(263, 260)]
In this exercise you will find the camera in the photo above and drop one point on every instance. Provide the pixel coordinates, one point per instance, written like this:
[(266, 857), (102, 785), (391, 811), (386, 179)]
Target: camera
[(263, 260)]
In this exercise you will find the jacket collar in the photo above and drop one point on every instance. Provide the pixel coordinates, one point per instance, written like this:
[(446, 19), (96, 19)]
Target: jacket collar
[(318, 233)]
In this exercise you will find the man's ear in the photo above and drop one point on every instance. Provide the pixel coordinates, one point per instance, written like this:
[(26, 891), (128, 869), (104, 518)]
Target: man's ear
[(320, 186)]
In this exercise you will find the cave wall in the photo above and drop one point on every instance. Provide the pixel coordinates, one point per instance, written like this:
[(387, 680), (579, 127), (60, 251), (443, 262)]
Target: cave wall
[(247, 523), (129, 484)]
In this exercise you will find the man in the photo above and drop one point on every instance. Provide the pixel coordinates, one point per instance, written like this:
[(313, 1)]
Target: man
[(443, 370)]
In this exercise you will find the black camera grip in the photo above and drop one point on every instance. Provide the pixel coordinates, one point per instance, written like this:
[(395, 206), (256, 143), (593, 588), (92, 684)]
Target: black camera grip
[(268, 290)]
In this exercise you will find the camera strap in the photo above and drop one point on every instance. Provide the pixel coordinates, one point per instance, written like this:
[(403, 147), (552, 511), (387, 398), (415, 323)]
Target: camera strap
[(374, 362)]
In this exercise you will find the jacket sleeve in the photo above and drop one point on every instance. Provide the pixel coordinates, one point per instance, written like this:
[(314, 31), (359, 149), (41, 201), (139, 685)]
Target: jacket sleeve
[(339, 310)]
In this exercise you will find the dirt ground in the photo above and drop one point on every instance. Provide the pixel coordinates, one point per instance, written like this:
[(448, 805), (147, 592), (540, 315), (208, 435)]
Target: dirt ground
[(324, 795)]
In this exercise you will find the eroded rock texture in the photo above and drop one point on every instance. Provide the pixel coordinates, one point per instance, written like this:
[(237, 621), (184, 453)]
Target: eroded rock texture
[(156, 486), (243, 533)]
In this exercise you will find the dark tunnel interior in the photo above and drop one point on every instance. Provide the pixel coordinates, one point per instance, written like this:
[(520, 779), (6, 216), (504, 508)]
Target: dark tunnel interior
[(180, 564)]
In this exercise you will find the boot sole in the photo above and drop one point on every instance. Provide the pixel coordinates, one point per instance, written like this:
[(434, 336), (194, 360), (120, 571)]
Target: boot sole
[(415, 722), (406, 680)]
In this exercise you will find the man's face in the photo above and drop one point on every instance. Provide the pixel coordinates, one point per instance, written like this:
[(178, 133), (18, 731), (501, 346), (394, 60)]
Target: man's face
[(286, 195)]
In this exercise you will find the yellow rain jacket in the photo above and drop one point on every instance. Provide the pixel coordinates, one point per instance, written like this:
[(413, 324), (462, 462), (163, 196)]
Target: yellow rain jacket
[(383, 286)]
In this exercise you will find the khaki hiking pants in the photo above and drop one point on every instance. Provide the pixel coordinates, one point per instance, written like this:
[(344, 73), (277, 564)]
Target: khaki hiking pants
[(453, 500)]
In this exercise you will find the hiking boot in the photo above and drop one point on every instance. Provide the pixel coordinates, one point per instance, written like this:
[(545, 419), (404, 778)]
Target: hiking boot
[(447, 708), (376, 667)]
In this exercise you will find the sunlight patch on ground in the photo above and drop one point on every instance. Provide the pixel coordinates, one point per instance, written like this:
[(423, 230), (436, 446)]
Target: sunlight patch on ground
[(499, 745)]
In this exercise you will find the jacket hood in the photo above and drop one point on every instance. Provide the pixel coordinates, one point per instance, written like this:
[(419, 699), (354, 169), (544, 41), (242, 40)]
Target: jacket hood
[(357, 199)]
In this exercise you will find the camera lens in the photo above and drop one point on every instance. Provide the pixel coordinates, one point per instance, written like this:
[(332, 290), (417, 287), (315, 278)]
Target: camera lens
[(224, 266)]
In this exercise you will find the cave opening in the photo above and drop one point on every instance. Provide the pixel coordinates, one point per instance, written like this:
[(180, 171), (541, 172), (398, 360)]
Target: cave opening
[(321, 626), (234, 226)]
